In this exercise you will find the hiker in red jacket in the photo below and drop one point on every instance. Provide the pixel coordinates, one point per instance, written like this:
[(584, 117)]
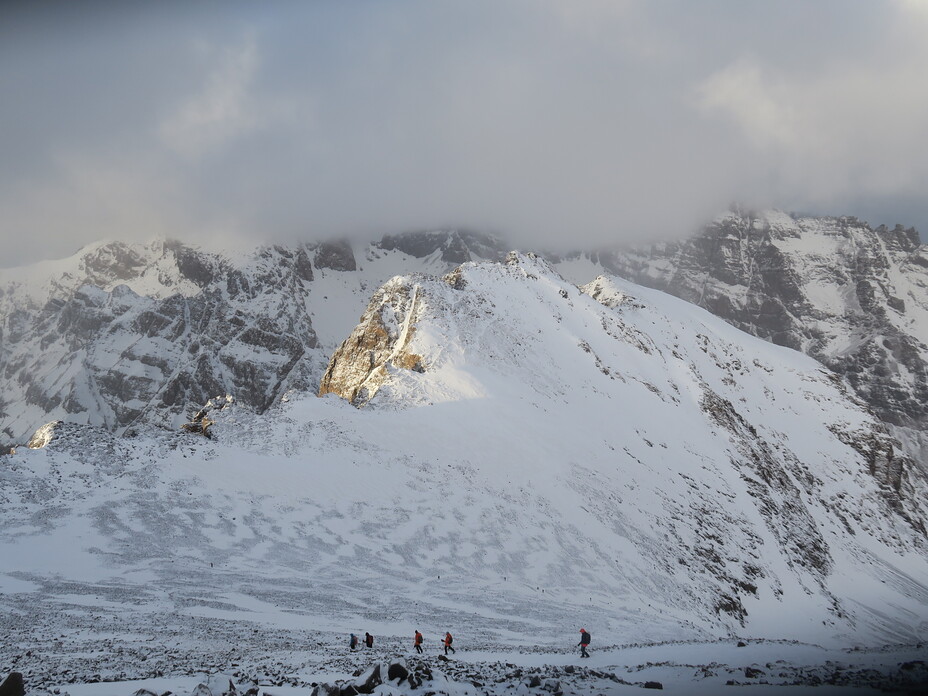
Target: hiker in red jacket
[(417, 642), (447, 642), (584, 641)]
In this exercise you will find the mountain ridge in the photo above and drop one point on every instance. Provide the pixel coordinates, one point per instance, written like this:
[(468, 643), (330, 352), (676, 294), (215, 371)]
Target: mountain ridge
[(853, 297)]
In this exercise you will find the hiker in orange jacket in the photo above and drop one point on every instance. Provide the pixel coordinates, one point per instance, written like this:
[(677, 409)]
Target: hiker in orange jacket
[(447, 641), (417, 641)]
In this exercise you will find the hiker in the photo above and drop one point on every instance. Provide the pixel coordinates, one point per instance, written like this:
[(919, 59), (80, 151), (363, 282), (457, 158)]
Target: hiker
[(584, 641), (417, 641), (353, 642), (448, 640), (368, 640)]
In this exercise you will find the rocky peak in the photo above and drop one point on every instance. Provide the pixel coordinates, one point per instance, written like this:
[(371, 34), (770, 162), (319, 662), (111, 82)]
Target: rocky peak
[(44, 435), (112, 260), (337, 256), (899, 239), (456, 246), (194, 265), (154, 330)]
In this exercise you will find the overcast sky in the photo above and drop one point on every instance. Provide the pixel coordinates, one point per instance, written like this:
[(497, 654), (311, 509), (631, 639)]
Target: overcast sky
[(555, 124)]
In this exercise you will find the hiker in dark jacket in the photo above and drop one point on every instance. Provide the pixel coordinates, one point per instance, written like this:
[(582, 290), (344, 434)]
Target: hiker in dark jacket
[(353, 642), (417, 641), (448, 640), (368, 640), (584, 641)]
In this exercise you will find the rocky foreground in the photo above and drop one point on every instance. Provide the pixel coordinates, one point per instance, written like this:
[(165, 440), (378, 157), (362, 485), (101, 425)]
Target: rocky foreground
[(247, 670)]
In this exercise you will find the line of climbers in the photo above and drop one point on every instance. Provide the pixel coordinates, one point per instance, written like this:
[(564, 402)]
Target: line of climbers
[(353, 642)]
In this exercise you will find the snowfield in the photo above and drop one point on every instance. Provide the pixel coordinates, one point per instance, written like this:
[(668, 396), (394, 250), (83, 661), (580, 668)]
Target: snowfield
[(525, 458)]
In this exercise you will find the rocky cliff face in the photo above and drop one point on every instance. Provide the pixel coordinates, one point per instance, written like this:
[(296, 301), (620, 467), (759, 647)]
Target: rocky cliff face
[(853, 297), (106, 355)]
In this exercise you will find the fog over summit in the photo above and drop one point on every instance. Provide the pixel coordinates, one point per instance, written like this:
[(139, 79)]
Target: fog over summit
[(554, 124)]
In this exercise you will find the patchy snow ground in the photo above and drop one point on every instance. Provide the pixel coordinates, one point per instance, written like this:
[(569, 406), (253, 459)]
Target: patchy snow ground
[(82, 650)]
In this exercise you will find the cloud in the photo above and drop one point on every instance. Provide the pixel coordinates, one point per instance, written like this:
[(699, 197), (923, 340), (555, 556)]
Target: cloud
[(221, 111), (765, 112), (849, 128), (555, 124)]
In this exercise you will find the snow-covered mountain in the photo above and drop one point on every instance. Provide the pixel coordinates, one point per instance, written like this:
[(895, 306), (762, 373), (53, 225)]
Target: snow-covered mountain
[(122, 335), (522, 455), (853, 297)]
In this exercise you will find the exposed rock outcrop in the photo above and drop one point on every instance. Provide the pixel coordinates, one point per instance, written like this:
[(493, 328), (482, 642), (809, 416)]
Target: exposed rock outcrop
[(50, 432), (380, 342), (396, 674), (337, 256), (200, 422)]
